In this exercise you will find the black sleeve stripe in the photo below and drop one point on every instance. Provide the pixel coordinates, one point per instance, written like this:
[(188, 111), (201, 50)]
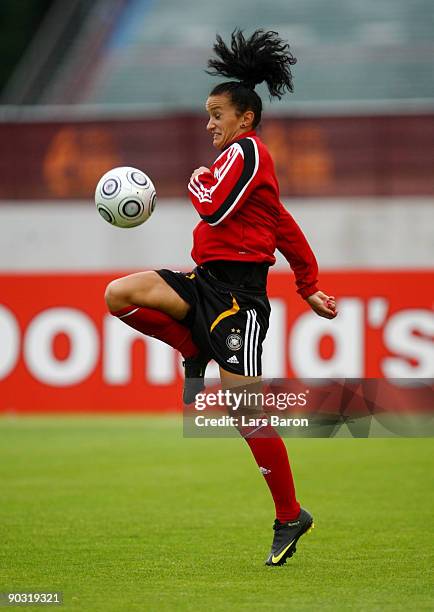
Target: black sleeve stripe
[(251, 163)]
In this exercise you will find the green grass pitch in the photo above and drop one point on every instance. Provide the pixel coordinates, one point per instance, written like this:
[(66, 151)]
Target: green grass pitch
[(125, 514)]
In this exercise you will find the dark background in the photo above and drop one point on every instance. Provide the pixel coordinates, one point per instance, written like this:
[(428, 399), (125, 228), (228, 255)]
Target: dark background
[(19, 20)]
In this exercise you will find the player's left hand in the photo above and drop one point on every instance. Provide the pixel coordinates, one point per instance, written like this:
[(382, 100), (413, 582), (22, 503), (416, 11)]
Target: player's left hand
[(324, 305), (198, 171)]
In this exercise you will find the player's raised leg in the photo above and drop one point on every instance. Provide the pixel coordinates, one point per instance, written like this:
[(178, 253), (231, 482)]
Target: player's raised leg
[(147, 303), (147, 290), (271, 457)]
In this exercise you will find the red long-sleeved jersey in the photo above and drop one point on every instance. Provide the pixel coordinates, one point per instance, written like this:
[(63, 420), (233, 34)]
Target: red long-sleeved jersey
[(242, 216)]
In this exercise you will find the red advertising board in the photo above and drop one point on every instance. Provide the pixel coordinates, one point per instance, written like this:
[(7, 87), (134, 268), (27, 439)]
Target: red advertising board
[(60, 351)]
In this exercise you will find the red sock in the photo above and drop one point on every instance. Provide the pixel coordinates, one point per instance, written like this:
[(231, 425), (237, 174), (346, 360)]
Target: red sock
[(270, 454), (159, 325)]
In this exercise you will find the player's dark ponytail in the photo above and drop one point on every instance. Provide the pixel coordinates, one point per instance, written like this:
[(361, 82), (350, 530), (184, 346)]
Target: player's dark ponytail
[(262, 57)]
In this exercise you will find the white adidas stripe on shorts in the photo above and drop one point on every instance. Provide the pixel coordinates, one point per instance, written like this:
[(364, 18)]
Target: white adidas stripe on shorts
[(251, 339)]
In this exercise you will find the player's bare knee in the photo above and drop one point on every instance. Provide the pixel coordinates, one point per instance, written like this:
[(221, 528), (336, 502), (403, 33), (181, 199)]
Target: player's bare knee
[(115, 295), (140, 289)]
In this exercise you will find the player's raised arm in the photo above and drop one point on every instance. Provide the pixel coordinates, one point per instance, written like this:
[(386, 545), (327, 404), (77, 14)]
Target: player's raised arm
[(218, 193)]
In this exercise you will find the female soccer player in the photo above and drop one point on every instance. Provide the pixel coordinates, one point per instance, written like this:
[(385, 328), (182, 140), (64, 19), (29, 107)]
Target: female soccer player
[(220, 310)]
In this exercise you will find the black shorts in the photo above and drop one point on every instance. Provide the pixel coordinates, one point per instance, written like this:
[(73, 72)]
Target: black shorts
[(229, 313)]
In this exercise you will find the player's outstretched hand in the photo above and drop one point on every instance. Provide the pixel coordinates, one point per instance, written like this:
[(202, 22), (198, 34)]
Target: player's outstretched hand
[(324, 305), (198, 171)]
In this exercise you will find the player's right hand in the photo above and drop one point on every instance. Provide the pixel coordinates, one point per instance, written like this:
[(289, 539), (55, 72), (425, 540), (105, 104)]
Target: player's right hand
[(324, 305)]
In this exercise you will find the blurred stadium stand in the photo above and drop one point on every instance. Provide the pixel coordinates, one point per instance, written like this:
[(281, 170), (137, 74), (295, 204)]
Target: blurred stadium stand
[(122, 82), (153, 53), (66, 43), (347, 49), (19, 19)]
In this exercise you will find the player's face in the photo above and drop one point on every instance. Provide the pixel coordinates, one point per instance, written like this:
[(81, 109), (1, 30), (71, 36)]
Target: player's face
[(224, 122)]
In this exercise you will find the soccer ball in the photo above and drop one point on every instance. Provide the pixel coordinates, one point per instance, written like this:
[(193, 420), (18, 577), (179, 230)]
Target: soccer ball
[(125, 197)]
